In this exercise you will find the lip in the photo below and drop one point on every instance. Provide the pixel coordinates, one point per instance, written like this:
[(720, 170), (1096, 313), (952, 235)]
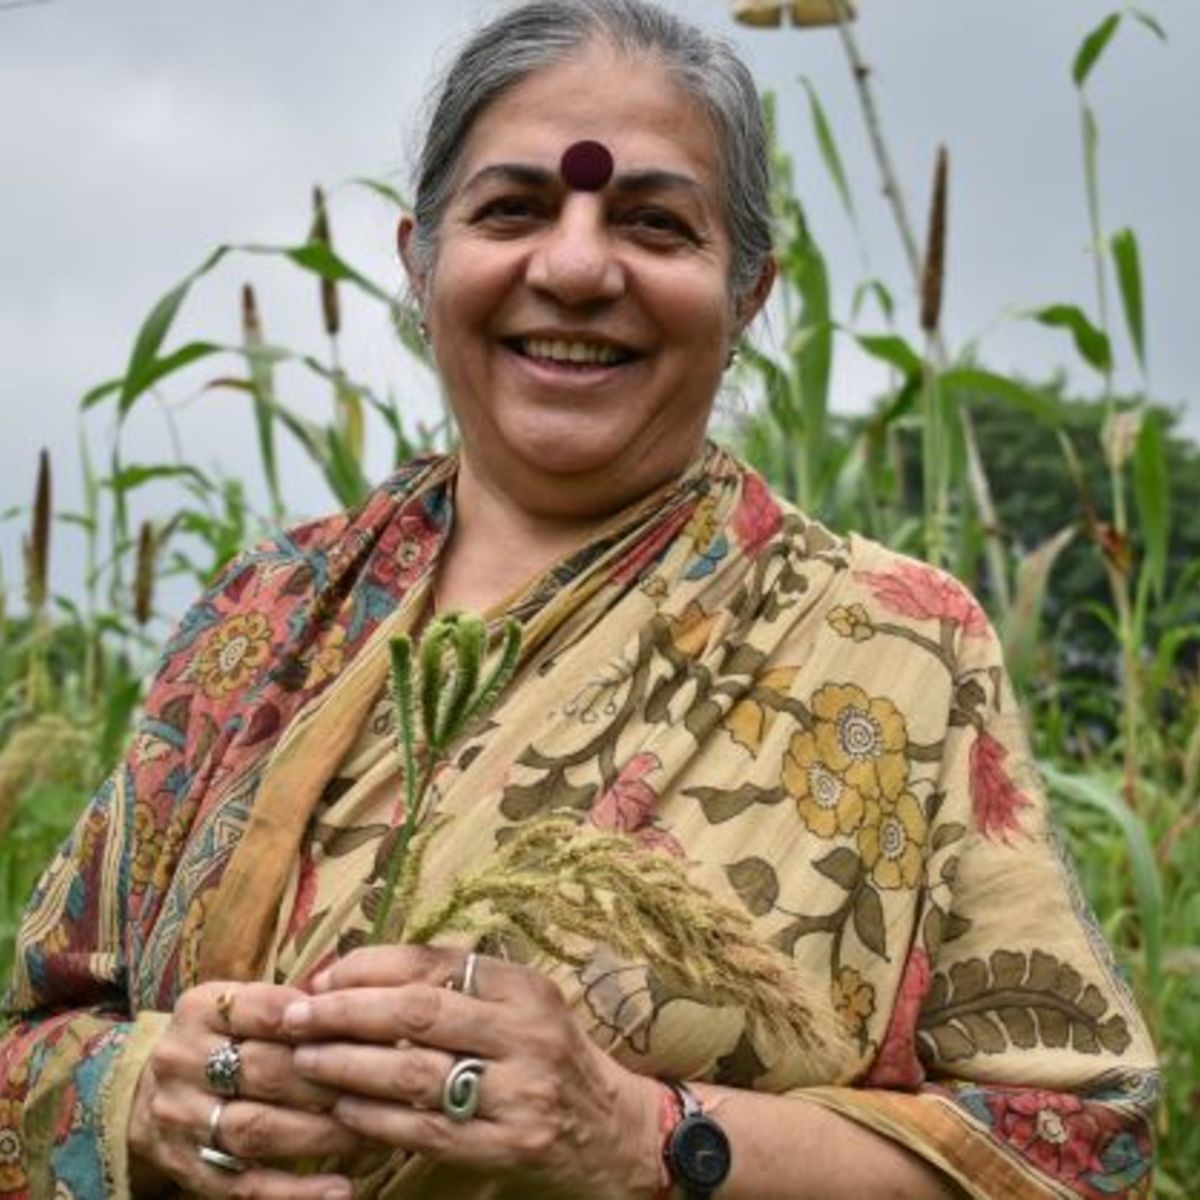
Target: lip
[(560, 374), (590, 336)]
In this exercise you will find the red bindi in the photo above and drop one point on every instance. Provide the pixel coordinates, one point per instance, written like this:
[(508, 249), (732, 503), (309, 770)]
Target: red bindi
[(586, 166)]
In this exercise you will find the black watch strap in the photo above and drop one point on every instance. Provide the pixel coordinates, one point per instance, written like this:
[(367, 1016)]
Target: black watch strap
[(697, 1153)]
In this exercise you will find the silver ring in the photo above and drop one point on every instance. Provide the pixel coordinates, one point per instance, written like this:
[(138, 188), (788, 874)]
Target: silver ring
[(223, 1068), (469, 973), (222, 1161), (460, 1092), (214, 1125)]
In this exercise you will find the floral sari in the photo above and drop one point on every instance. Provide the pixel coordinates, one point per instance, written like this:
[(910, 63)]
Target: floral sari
[(821, 731)]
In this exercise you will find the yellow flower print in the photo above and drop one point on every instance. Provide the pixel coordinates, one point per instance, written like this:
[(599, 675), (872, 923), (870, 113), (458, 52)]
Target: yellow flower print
[(327, 661), (703, 525), (891, 841), (750, 720), (853, 1000), (12, 1174), (231, 654), (149, 845), (827, 803), (862, 739), (851, 621)]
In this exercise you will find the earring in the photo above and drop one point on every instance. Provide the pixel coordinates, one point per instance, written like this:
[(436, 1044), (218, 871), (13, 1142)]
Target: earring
[(423, 330), (732, 357)]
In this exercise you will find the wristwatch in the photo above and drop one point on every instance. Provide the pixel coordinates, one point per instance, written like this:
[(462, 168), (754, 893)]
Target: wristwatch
[(696, 1154)]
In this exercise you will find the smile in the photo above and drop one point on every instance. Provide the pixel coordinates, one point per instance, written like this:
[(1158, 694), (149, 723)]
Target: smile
[(570, 351)]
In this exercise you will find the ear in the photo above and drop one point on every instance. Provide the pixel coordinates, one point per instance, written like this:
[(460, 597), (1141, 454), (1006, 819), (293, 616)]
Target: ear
[(750, 304), (405, 232)]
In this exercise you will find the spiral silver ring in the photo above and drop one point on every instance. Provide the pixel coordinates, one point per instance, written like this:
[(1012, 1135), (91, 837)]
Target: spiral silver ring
[(223, 1068), (460, 1092), (222, 1161)]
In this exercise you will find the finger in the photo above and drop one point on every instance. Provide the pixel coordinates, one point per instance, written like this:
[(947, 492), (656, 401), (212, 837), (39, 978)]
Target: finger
[(433, 1016), (251, 1130), (438, 966), (241, 1010), (412, 1075), (480, 1144)]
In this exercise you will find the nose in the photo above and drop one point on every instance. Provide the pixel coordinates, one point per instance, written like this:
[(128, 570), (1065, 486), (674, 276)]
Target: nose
[(575, 260)]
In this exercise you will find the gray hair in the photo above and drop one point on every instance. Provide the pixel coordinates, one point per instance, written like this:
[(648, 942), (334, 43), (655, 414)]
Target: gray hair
[(542, 33)]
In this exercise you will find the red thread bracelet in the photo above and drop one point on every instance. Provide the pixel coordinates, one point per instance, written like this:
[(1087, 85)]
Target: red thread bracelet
[(670, 1113)]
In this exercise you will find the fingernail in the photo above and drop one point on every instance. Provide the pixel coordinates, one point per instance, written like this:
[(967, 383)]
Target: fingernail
[(305, 1058), (297, 1014), (341, 1190)]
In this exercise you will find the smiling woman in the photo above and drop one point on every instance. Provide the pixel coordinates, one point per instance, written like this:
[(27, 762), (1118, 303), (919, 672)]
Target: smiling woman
[(817, 733)]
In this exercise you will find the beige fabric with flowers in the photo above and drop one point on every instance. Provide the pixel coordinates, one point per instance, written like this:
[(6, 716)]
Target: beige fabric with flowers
[(824, 732)]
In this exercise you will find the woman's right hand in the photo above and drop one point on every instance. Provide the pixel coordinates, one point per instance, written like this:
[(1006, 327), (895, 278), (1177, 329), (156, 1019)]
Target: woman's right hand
[(276, 1116)]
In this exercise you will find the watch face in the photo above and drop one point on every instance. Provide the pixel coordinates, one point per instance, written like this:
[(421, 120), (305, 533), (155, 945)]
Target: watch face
[(700, 1153)]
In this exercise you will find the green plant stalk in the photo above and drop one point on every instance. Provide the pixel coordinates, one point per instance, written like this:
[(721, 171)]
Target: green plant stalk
[(977, 478), (450, 652)]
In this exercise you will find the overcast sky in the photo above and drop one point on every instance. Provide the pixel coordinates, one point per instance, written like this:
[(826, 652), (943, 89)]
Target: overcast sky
[(136, 135)]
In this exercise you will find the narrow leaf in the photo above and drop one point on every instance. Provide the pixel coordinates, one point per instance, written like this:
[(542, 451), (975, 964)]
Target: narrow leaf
[(136, 475), (1091, 342), (828, 147), (1097, 793), (1092, 47), (139, 374), (1153, 492), (1128, 261), (893, 350), (970, 385), (1150, 22)]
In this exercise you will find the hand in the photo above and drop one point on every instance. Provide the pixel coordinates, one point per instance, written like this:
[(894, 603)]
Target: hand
[(557, 1115), (277, 1113)]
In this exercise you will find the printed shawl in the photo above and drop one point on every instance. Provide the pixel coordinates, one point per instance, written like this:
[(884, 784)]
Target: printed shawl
[(821, 730)]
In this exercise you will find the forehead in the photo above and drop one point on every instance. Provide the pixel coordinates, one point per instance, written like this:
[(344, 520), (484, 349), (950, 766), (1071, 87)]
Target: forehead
[(629, 103)]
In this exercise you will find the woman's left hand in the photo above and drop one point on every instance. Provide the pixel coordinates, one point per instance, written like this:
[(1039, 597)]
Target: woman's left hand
[(386, 1025)]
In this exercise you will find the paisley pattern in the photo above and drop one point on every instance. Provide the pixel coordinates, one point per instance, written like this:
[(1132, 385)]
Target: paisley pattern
[(821, 730)]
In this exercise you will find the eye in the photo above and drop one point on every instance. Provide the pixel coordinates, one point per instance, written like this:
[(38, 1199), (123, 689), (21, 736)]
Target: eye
[(660, 225), (509, 211)]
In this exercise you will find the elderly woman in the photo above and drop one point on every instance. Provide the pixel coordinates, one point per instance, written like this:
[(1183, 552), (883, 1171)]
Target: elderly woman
[(815, 730)]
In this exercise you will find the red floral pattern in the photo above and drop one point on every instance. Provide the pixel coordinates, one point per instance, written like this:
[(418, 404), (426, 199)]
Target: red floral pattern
[(627, 806), (1054, 1130), (757, 517), (926, 594), (897, 1065), (995, 800)]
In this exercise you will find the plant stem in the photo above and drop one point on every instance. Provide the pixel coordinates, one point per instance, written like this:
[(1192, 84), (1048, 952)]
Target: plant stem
[(981, 490)]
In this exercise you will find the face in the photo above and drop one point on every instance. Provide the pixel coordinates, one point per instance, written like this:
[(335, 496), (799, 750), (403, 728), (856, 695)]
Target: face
[(581, 335)]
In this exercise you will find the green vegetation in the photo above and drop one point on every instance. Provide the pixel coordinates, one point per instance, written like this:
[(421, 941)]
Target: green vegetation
[(1077, 518)]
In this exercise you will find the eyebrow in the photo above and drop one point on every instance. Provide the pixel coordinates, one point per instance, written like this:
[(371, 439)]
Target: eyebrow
[(627, 182)]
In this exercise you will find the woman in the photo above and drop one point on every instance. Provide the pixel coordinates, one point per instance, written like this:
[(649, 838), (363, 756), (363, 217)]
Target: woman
[(818, 730)]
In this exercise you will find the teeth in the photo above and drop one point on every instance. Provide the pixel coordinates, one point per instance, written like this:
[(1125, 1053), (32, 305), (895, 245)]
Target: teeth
[(561, 350)]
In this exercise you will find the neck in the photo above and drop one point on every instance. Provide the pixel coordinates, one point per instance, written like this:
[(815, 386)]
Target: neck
[(496, 545)]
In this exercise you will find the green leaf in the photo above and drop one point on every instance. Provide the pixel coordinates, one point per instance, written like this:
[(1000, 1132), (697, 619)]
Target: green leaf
[(1092, 343), (1149, 21), (136, 474), (1092, 47), (383, 189), (842, 866), (1153, 492), (1097, 793), (968, 385), (154, 371), (144, 363), (1128, 261), (873, 287), (756, 884), (894, 351), (828, 147)]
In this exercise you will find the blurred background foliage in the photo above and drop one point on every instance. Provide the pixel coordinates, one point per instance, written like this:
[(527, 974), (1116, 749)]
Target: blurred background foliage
[(1072, 510)]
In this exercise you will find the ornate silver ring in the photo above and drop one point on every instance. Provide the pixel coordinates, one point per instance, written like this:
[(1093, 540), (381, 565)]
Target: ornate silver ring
[(223, 1068), (460, 1092)]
